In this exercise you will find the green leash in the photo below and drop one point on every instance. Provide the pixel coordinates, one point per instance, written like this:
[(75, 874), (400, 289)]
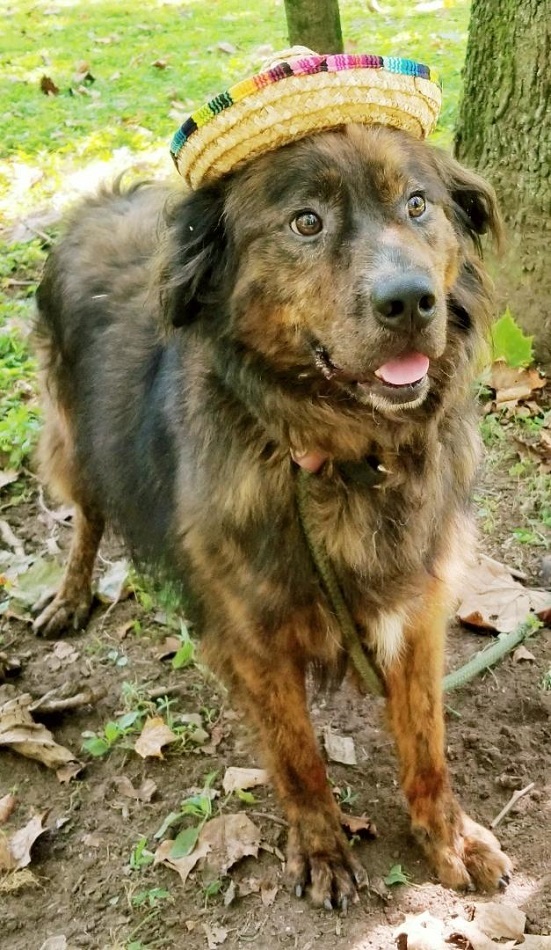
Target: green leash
[(364, 666)]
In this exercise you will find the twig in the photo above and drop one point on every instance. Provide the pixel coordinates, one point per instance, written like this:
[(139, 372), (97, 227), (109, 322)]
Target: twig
[(41, 234), (48, 704), (9, 538), (161, 691), (512, 801), (520, 575), (265, 814)]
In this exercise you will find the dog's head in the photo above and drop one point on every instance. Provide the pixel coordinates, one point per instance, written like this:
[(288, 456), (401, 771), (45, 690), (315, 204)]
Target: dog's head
[(348, 260)]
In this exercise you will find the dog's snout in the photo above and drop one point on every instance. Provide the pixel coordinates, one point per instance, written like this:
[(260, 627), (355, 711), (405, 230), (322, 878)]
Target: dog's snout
[(404, 301)]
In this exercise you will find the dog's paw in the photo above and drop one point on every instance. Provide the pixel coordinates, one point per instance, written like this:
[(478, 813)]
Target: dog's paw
[(331, 875), (61, 614), (475, 860)]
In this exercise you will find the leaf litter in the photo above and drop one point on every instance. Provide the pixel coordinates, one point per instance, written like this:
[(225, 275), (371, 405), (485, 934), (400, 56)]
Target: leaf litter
[(493, 601), (19, 732), (492, 925), (221, 843)]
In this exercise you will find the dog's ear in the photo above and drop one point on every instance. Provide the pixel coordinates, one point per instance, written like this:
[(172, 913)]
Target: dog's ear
[(474, 202), (194, 257)]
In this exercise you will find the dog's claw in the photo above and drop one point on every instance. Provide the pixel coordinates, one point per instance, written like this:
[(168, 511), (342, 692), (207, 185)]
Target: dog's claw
[(327, 904), (299, 890), (344, 905), (504, 880)]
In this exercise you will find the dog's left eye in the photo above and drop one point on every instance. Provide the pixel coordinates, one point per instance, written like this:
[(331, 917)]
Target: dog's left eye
[(306, 223), (416, 205)]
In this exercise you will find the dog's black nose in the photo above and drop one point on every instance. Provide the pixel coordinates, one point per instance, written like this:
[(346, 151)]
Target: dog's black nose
[(404, 301)]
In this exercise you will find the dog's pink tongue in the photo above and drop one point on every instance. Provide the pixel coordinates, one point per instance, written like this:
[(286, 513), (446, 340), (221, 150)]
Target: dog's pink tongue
[(404, 370)]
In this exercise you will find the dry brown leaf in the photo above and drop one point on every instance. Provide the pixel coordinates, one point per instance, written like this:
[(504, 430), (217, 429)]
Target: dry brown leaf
[(55, 943), (7, 476), (521, 654), (144, 793), (237, 779), (183, 866), (48, 86), (215, 936), (19, 732), (500, 920), (512, 384), (535, 942), (160, 64), (168, 648), (477, 939), (8, 805), (362, 826), (230, 838), (15, 852), (339, 748), (228, 48), (420, 932), (155, 734), (492, 600), (268, 894)]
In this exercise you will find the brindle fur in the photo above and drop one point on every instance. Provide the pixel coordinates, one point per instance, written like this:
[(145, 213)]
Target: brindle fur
[(178, 338)]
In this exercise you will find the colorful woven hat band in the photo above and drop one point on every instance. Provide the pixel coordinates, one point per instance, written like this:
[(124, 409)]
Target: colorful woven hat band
[(299, 95)]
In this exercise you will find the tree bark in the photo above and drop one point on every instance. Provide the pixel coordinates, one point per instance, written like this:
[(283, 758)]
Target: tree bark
[(504, 130), (316, 24)]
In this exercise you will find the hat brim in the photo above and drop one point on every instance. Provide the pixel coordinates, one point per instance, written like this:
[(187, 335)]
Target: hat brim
[(298, 98)]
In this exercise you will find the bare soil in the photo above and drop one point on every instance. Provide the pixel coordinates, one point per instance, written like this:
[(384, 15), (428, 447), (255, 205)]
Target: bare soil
[(499, 734)]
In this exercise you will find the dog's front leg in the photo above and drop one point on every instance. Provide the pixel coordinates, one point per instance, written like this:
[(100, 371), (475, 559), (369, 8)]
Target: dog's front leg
[(272, 692), (462, 852)]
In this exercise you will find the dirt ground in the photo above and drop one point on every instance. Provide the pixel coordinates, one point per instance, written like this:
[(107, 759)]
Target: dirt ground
[(85, 888)]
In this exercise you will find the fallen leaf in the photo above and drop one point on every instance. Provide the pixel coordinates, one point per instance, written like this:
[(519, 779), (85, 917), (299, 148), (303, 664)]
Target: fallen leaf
[(155, 734), (215, 936), (17, 855), (92, 841), (144, 793), (33, 582), (420, 932), (220, 844), (19, 732), (492, 600), (55, 943), (513, 384), (521, 653), (8, 805), (114, 585), (237, 779), (230, 838), (160, 64), (6, 475), (65, 652), (168, 647), (535, 942), (228, 48), (184, 865), (339, 748), (361, 826), (500, 920), (48, 86), (68, 772), (477, 939), (268, 894)]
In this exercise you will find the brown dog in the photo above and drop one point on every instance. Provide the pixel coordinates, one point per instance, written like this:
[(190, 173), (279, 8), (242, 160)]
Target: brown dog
[(324, 303)]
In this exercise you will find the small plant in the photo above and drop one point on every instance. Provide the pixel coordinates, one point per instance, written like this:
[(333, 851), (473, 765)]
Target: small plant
[(151, 898), (509, 343), (396, 876), (186, 652), (99, 744), (140, 857), (546, 681), (195, 806)]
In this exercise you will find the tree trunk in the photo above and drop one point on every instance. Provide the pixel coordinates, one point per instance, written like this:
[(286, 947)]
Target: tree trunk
[(504, 130), (314, 23)]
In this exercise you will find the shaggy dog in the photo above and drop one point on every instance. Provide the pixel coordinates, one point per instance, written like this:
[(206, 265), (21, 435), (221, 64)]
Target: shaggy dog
[(320, 307)]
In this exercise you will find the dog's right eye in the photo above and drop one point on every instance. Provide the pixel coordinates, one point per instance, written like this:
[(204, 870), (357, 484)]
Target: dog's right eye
[(306, 223)]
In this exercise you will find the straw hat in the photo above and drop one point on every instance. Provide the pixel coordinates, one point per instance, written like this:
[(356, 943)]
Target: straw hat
[(298, 93)]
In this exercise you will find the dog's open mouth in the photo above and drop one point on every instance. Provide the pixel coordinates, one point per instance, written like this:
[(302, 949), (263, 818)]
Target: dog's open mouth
[(402, 381)]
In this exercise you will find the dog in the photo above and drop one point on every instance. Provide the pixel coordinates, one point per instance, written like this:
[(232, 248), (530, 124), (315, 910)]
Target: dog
[(321, 307)]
